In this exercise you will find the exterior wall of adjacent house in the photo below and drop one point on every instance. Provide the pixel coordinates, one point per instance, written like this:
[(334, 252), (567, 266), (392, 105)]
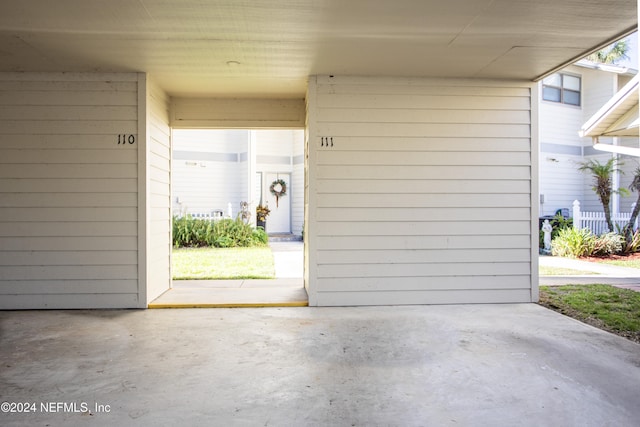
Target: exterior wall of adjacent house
[(562, 150), (420, 191), (70, 192), (211, 169), (281, 151), (297, 178)]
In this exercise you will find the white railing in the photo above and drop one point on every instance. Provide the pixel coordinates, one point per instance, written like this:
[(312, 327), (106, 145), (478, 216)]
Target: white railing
[(596, 222)]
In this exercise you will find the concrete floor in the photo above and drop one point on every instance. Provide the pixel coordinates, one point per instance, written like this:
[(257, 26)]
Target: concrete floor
[(457, 365)]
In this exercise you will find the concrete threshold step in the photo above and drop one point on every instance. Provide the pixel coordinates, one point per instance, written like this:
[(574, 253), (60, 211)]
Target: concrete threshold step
[(284, 237), (230, 294)]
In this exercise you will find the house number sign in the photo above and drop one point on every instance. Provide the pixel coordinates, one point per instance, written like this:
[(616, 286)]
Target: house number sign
[(124, 139)]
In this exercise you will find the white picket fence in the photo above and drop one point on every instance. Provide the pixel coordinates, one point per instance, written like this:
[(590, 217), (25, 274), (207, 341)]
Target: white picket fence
[(595, 221), (211, 216)]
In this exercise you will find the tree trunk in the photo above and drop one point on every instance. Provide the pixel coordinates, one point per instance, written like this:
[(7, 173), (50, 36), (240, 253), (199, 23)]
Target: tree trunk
[(607, 212), (628, 230), (607, 215)]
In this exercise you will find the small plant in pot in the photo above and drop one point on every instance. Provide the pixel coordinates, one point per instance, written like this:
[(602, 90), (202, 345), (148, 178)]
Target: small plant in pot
[(262, 211)]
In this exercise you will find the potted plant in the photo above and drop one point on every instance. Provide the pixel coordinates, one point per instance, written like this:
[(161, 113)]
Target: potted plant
[(262, 211)]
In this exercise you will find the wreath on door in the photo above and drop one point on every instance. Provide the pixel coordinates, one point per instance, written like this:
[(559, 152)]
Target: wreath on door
[(278, 188)]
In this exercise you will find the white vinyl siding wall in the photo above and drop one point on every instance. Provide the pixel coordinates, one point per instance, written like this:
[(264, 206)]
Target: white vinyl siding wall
[(158, 192), (281, 151), (560, 181), (423, 193), (297, 180), (68, 191), (209, 170)]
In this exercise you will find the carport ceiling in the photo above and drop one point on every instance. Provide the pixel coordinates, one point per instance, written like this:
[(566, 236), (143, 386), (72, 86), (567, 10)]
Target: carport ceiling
[(267, 48)]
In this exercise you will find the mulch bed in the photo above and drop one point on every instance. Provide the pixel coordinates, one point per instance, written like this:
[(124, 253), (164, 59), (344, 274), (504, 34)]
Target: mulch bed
[(633, 256)]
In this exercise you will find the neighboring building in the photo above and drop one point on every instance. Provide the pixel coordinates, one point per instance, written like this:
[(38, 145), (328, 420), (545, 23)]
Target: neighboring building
[(215, 170), (567, 99)]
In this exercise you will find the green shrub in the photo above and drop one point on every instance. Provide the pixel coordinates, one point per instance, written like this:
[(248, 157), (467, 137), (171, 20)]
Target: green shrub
[(558, 223), (608, 244), (573, 243), (633, 245), (260, 236), (224, 233), (182, 231)]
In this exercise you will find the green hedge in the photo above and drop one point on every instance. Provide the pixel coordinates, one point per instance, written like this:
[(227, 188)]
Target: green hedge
[(224, 233)]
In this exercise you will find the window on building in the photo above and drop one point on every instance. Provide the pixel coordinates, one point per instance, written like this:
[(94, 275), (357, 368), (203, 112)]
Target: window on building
[(562, 88)]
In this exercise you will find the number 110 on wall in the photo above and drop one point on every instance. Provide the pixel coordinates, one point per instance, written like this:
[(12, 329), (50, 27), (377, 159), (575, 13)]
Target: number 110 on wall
[(124, 139)]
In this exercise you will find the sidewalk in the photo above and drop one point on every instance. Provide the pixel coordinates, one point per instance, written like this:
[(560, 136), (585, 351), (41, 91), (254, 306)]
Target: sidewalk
[(288, 258), (622, 277)]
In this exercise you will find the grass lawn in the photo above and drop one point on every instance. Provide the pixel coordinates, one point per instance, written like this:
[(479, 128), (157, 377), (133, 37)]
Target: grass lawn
[(606, 307), (222, 264), (631, 263), (558, 271)]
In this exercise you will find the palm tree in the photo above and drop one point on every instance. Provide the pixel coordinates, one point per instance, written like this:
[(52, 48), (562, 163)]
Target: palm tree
[(611, 54), (602, 178), (634, 186)]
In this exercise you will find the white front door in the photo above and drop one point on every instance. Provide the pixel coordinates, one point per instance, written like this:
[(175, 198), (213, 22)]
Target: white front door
[(279, 220)]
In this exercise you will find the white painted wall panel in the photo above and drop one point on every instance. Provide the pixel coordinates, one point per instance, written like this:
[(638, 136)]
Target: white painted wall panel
[(421, 191), (598, 88), (158, 195), (68, 191)]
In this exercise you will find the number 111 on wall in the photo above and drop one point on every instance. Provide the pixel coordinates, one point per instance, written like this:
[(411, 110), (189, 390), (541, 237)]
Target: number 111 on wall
[(124, 139)]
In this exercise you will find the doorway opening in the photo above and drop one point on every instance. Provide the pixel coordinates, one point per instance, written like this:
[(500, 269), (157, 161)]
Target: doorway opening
[(228, 174)]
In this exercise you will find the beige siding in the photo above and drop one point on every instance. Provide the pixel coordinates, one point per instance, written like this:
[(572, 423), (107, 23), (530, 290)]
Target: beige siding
[(421, 191), (158, 193), (227, 113), (68, 191)]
